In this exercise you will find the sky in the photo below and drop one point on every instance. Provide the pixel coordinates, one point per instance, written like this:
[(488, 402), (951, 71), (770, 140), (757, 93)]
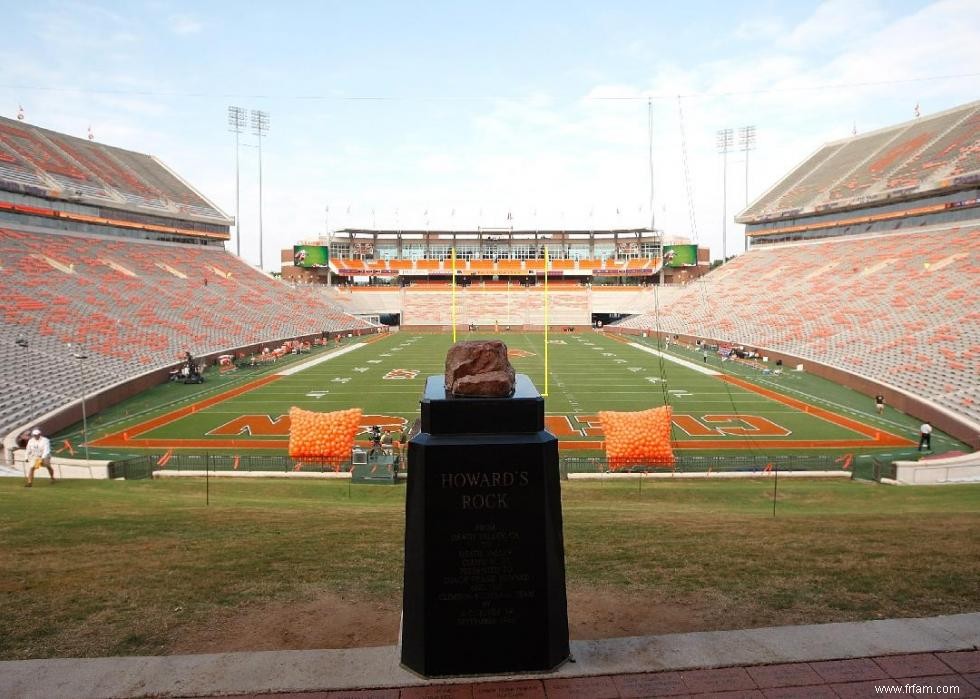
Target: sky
[(452, 115)]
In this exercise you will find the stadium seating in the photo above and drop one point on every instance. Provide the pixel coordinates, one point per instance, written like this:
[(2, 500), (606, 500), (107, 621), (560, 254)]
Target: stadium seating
[(132, 307), (501, 305), (898, 308), (942, 142), (35, 148), (911, 158), (905, 146), (73, 168)]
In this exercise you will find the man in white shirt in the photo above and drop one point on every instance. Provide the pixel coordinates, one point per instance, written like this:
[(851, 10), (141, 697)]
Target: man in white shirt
[(925, 436), (38, 456)]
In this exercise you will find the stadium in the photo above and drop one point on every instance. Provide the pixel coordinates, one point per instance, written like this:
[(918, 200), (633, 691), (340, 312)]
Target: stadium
[(123, 288), (165, 370)]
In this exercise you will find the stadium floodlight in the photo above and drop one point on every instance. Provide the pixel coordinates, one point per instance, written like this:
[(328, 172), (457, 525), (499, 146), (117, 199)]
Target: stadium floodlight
[(81, 357), (724, 142), (746, 142), (260, 127), (236, 124)]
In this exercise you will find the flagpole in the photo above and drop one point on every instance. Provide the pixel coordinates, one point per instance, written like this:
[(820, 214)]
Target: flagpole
[(453, 287), (545, 321)]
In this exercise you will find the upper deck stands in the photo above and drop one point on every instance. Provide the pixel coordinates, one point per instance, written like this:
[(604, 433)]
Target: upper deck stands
[(75, 169), (918, 158), (901, 147)]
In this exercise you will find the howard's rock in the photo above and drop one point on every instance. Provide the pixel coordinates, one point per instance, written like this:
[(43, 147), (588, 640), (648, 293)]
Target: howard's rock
[(479, 368)]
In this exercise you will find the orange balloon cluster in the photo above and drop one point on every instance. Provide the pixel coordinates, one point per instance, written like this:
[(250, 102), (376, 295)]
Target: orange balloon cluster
[(638, 439), (315, 435)]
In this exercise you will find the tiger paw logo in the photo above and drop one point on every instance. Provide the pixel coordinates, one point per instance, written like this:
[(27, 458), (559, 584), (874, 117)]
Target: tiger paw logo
[(518, 353), (396, 374)]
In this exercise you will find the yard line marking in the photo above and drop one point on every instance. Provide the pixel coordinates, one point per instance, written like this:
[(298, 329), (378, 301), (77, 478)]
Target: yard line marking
[(319, 360), (676, 360)]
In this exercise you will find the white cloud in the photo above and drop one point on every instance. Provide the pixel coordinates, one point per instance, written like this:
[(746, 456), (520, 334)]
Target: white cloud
[(759, 29), (438, 164), (834, 23), (183, 25)]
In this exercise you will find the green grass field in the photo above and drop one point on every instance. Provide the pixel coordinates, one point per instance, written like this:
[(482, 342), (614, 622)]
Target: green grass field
[(91, 568), (588, 372)]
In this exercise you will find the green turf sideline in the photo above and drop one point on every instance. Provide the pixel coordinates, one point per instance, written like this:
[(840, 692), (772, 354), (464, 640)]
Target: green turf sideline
[(319, 360), (677, 360)]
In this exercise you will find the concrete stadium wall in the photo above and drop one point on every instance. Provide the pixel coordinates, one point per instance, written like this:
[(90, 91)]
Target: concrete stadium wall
[(957, 469), (65, 468)]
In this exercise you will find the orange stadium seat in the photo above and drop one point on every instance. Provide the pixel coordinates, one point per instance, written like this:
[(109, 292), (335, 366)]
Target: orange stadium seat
[(136, 314), (864, 304)]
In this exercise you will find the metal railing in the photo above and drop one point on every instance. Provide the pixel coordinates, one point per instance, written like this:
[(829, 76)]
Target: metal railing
[(143, 466)]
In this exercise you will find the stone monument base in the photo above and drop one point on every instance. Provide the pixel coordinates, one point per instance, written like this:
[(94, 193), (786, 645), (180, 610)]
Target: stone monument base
[(484, 556)]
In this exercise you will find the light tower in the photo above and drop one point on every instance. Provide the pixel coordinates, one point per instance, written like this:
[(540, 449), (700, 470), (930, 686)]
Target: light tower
[(746, 142), (724, 142), (260, 127), (236, 124)]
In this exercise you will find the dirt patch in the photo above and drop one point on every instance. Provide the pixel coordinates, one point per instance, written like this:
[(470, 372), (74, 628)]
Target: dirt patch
[(337, 621), (326, 621), (608, 613)]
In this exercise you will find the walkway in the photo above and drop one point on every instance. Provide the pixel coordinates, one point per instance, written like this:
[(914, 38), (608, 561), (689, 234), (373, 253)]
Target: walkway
[(937, 655)]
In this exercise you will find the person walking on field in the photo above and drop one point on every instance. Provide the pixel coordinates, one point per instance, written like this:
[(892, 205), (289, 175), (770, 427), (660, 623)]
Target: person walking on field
[(38, 456), (925, 436), (880, 403)]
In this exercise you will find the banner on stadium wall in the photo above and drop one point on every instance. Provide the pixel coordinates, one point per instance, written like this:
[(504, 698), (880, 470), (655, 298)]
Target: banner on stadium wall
[(311, 255), (681, 255)]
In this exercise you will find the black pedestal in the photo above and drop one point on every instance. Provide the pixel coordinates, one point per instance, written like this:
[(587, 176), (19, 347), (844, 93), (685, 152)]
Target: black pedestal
[(484, 556)]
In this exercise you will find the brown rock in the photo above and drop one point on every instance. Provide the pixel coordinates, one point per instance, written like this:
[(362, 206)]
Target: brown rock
[(479, 368)]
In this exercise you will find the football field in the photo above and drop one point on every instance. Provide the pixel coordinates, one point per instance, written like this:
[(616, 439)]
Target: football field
[(719, 406)]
